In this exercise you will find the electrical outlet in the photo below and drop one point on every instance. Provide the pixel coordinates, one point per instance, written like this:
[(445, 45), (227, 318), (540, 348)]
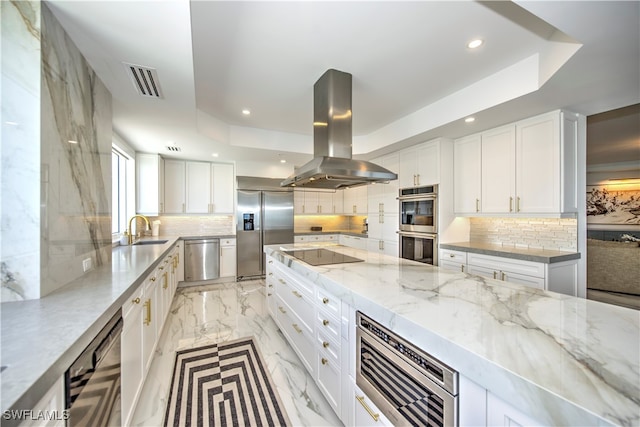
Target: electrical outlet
[(86, 264)]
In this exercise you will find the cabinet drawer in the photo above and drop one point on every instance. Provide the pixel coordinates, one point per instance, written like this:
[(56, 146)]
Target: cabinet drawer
[(327, 345), (452, 265), (328, 303), (300, 339), (453, 256), (227, 242), (291, 279), (508, 265), (134, 302), (299, 303), (329, 325)]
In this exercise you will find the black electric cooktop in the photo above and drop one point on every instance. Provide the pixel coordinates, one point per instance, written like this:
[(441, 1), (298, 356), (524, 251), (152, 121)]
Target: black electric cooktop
[(323, 257)]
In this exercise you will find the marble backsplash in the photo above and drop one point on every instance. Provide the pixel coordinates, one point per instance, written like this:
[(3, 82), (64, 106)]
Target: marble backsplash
[(60, 211), (206, 225)]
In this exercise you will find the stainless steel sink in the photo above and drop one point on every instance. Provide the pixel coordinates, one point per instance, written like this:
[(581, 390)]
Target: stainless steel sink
[(150, 242)]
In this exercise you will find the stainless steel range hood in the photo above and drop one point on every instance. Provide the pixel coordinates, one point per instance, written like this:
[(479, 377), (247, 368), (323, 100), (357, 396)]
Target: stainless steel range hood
[(332, 166)]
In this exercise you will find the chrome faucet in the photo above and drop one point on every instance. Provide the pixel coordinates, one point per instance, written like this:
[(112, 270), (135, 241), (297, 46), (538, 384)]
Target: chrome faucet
[(131, 230)]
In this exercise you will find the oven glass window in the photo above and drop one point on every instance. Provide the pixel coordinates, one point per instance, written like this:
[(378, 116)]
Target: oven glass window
[(417, 212), (418, 249)]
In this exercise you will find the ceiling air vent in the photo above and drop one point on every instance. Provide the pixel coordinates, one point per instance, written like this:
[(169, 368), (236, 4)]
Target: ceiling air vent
[(173, 148), (145, 80)]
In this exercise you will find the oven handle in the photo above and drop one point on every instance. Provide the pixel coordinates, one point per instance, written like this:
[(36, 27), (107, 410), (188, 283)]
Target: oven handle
[(431, 236), (417, 197)]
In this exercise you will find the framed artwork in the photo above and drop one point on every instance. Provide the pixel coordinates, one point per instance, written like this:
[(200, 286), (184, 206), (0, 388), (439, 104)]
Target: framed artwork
[(613, 204)]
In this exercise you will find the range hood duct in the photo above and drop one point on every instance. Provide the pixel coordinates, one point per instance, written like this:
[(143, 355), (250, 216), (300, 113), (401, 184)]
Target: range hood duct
[(332, 166)]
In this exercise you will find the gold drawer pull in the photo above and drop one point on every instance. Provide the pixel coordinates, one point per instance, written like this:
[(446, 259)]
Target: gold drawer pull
[(136, 301), (325, 344), (166, 280), (282, 281), (297, 328), (495, 274), (325, 322), (325, 300), (282, 310), (268, 295), (270, 262), (462, 268), (296, 293), (452, 256), (504, 276), (324, 361), (161, 268), (270, 274), (147, 320), (364, 404), (153, 279), (271, 286)]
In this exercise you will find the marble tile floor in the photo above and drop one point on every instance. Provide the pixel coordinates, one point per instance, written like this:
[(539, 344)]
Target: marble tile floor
[(208, 314)]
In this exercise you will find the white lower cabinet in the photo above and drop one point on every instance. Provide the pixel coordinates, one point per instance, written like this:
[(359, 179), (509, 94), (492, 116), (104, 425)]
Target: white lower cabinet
[(49, 411), (144, 315), (365, 412), (312, 321), (502, 414), (227, 258), (353, 241), (559, 277)]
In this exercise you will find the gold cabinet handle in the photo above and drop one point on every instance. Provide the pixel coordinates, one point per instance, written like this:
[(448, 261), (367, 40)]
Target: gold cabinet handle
[(161, 267), (325, 322), (477, 205), (270, 274), (462, 268), (271, 286), (325, 344), (297, 328), (325, 300), (166, 280), (296, 293), (136, 300), (153, 279), (495, 274), (504, 276), (366, 407), (270, 262), (324, 361), (282, 310), (282, 281), (510, 204), (452, 256), (517, 204), (147, 319), (268, 295)]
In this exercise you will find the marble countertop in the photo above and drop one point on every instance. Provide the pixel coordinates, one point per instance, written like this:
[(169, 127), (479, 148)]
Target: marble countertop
[(41, 338), (526, 254), (561, 359)]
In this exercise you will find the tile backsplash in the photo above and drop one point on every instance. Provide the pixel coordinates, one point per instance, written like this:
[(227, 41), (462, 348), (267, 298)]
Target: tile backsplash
[(545, 233), (210, 225), (303, 223)]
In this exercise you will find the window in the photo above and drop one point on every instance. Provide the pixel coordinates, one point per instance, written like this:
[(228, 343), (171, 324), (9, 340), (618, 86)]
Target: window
[(119, 175)]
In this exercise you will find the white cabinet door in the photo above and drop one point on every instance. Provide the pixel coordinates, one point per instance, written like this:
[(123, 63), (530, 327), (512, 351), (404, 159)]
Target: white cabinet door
[(52, 403), (428, 164), (466, 174), (174, 186), (131, 355), (227, 257), (324, 202), (500, 413), (149, 184), (538, 164), (408, 171), (222, 188), (365, 412), (298, 201), (198, 187), (498, 170), (355, 200), (382, 197), (149, 321)]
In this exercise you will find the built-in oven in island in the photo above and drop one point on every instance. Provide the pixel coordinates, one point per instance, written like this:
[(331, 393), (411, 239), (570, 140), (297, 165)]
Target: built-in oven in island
[(419, 224), (411, 387)]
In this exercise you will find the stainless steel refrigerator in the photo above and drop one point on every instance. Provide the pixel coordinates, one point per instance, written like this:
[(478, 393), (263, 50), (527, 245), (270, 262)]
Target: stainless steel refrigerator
[(263, 218)]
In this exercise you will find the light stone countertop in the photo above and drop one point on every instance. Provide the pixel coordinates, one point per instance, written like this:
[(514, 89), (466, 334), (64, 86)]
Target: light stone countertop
[(41, 338), (561, 359), (545, 256), (320, 233)]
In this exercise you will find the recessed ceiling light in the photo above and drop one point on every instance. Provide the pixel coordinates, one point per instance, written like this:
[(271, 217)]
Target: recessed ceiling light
[(470, 119), (283, 161), (72, 141), (214, 154), (474, 43), (246, 112)]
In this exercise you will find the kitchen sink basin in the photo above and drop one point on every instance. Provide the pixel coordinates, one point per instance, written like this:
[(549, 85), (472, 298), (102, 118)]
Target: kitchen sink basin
[(150, 242)]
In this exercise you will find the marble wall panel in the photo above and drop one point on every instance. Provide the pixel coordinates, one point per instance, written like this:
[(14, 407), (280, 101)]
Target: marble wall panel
[(76, 156), (20, 153)]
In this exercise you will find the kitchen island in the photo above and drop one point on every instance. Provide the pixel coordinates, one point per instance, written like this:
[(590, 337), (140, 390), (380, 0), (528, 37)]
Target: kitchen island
[(560, 359)]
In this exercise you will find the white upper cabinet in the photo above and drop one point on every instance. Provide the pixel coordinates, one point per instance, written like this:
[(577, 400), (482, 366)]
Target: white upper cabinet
[(149, 184), (498, 170), (527, 168), (466, 174), (355, 200), (420, 165), (174, 186), (317, 202), (198, 187)]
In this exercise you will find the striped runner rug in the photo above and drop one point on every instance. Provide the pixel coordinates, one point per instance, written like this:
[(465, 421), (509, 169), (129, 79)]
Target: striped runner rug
[(225, 384)]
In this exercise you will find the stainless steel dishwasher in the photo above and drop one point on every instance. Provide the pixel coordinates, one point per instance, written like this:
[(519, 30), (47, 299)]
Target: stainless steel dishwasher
[(202, 259)]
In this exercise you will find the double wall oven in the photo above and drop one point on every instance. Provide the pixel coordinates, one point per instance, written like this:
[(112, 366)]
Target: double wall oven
[(419, 224)]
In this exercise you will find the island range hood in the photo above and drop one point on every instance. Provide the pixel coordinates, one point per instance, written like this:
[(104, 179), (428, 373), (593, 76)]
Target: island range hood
[(332, 166)]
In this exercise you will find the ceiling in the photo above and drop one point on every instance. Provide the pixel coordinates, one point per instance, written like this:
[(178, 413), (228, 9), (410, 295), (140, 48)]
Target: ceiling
[(414, 79)]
